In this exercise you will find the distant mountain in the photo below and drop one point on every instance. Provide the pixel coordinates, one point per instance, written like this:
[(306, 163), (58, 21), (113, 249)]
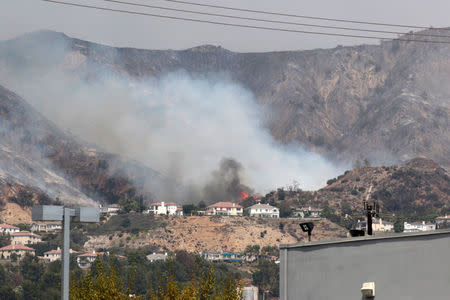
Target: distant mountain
[(388, 102), (420, 188), (41, 164)]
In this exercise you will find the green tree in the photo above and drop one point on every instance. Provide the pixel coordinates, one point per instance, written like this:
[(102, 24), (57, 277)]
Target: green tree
[(7, 293), (266, 277), (102, 286), (31, 268), (285, 210), (399, 224), (252, 250), (29, 291), (5, 240)]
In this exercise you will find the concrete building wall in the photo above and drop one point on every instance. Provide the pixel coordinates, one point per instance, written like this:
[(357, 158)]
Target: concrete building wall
[(403, 266)]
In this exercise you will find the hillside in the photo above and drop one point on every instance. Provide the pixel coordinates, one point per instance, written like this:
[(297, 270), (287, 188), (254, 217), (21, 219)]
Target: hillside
[(418, 189), (218, 233), (387, 102), (41, 164)]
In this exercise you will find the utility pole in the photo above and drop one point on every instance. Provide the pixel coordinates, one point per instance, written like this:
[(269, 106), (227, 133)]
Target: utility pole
[(64, 214), (372, 210)]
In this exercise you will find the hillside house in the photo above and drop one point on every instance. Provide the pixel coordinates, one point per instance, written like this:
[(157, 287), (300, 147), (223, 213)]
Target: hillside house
[(418, 226), (109, 210), (53, 255), (85, 260), (8, 229), (250, 293), (163, 208), (19, 249), (308, 212), (224, 256), (378, 225), (442, 220), (157, 256), (263, 211), (381, 225), (224, 208), (46, 227), (25, 238)]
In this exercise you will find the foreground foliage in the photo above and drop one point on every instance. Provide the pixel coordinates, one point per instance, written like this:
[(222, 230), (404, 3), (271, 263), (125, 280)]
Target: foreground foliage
[(101, 284)]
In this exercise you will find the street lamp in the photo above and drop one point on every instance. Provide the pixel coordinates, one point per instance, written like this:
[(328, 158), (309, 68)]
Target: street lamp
[(307, 227), (65, 214)]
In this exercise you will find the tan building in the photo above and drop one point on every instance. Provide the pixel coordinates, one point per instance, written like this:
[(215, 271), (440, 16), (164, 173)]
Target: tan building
[(224, 208), (25, 238), (381, 225), (47, 227), (20, 250), (53, 255), (84, 261), (8, 229)]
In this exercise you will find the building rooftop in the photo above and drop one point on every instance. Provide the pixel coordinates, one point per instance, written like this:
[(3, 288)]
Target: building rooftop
[(368, 238), (16, 247), (156, 256), (25, 233), (262, 206), (93, 254), (225, 204), (58, 251), (165, 203), (8, 226)]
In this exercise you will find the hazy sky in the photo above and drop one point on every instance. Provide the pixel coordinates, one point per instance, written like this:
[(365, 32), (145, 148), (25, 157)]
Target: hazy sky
[(20, 16)]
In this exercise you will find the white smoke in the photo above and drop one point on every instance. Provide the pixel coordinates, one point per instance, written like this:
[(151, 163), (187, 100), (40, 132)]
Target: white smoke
[(178, 124)]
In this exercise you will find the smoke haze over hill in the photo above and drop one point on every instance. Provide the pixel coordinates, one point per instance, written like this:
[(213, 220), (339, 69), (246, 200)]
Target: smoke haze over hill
[(182, 112), (178, 124)]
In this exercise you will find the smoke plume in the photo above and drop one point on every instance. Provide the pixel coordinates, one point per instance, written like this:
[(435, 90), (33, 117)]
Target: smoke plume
[(207, 132)]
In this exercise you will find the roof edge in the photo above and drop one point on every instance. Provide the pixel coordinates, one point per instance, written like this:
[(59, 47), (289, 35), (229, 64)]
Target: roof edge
[(367, 239)]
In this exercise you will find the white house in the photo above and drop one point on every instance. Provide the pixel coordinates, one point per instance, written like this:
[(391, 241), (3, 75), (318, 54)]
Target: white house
[(85, 260), (418, 226), (378, 225), (443, 220), (222, 256), (6, 228), (382, 226), (163, 208), (53, 255), (157, 256), (308, 212), (224, 208), (47, 227), (109, 210), (263, 210)]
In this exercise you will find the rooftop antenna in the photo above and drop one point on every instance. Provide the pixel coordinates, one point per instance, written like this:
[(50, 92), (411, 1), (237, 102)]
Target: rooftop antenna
[(372, 210)]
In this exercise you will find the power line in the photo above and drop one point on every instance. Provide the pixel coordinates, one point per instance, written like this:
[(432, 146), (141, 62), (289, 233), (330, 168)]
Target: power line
[(302, 16), (270, 21), (240, 25)]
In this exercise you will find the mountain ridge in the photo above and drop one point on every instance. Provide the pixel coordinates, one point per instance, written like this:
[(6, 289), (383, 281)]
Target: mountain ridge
[(384, 102)]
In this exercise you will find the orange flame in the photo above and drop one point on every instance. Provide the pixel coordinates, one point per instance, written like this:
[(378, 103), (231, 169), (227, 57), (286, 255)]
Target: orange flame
[(244, 195)]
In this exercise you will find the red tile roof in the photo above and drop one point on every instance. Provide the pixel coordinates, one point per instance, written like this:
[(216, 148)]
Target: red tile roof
[(8, 226), (225, 204), (24, 233), (91, 254), (58, 251), (16, 247)]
